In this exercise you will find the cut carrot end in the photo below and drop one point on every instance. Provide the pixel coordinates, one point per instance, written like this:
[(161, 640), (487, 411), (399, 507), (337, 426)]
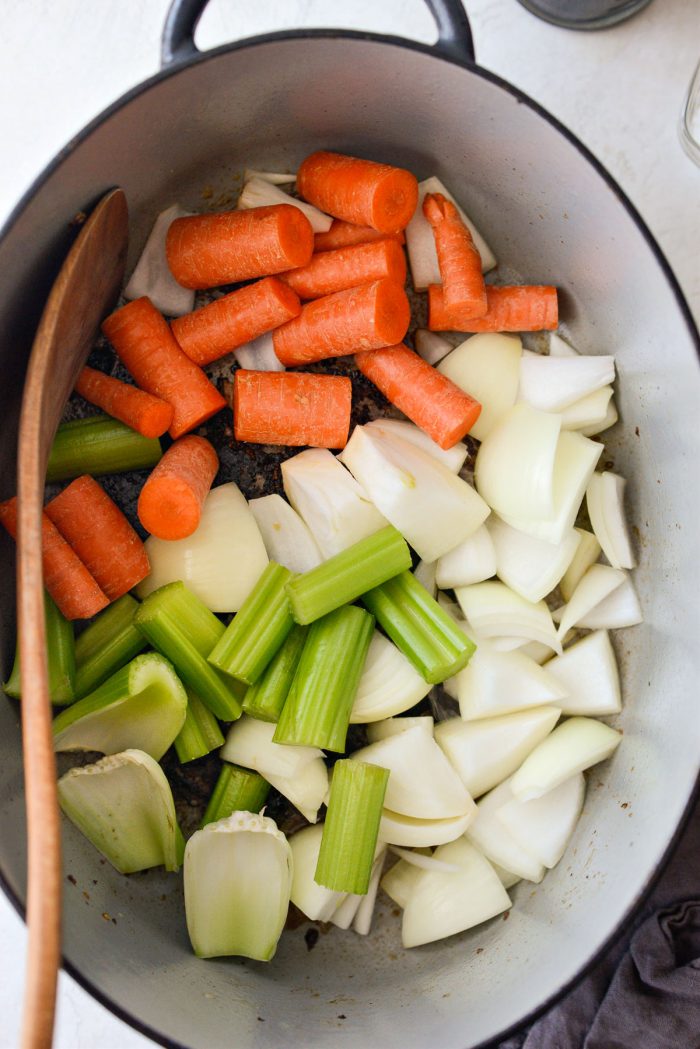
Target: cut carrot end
[(170, 503)]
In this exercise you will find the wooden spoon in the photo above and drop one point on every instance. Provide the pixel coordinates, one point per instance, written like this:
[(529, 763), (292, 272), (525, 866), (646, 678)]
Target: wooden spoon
[(85, 290)]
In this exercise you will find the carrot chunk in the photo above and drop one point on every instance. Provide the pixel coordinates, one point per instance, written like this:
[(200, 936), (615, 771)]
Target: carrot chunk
[(425, 395), (101, 536), (171, 500), (343, 234), (463, 285), (218, 328), (73, 588), (143, 412), (204, 251), (291, 408), (331, 271), (359, 191), (147, 347), (526, 307), (363, 318)]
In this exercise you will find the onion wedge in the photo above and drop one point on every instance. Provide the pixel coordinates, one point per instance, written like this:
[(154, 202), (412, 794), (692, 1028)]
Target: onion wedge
[(389, 683), (498, 845), (393, 726), (529, 566), (259, 192), (585, 555), (152, 276), (495, 683), (487, 367), (430, 345), (249, 743), (572, 747), (314, 900), (396, 829), (287, 539), (604, 500), (473, 561), (544, 825), (595, 585), (259, 355), (494, 610), (453, 458), (553, 383), (589, 411), (588, 673), (619, 609)]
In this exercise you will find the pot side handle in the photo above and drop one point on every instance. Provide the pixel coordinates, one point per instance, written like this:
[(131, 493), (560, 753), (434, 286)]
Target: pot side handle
[(177, 43)]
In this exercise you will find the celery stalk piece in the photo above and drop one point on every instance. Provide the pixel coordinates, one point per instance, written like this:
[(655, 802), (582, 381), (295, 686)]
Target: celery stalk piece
[(200, 732), (123, 804), (182, 628), (419, 627), (347, 575), (317, 710), (257, 630), (238, 878), (107, 644), (99, 445), (60, 658), (142, 706), (236, 790), (266, 698), (352, 824)]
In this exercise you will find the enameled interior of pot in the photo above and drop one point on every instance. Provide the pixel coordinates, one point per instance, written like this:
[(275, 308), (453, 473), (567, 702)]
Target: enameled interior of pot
[(552, 219)]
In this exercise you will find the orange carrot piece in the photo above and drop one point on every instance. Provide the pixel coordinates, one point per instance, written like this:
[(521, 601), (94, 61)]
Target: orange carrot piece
[(359, 191), (463, 285), (425, 395), (526, 307), (363, 318), (66, 578), (331, 271), (204, 251), (171, 500), (101, 536), (143, 412), (291, 408), (218, 328), (147, 347), (343, 234)]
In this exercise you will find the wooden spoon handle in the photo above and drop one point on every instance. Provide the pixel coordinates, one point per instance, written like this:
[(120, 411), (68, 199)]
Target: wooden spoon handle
[(85, 289)]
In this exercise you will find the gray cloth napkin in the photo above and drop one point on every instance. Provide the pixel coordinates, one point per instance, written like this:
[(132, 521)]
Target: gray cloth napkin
[(645, 992)]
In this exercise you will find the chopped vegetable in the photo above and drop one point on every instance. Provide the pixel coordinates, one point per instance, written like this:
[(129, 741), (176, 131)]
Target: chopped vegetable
[(70, 584), (317, 710), (171, 500), (350, 321), (225, 247), (349, 574), (287, 539), (402, 480), (60, 658), (257, 630), (259, 355), (585, 555), (488, 368), (238, 877), (529, 566), (544, 825), (200, 732), (250, 743), (315, 901), (99, 445), (517, 308), (588, 673), (453, 458), (152, 277), (259, 191), (393, 726), (426, 396), (344, 234), (220, 562), (180, 626), (609, 420), (266, 698), (307, 791), (389, 683), (604, 501), (275, 178), (100, 535), (142, 706), (462, 281), (554, 383), (417, 625), (336, 510), (399, 880), (588, 413), (431, 346), (107, 644), (573, 747), (291, 408), (124, 806), (489, 835), (148, 415), (493, 610), (397, 829), (472, 561), (235, 319), (362, 922), (349, 836), (359, 191), (425, 574), (147, 348), (342, 268), (619, 609), (236, 790), (496, 683), (594, 587)]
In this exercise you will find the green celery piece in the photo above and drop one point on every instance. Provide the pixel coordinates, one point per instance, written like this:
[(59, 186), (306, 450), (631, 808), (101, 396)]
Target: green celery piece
[(349, 574), (264, 700), (236, 790), (258, 629), (143, 707), (181, 626), (317, 710), (417, 625), (123, 804), (200, 733), (107, 644), (60, 658), (99, 445), (352, 825)]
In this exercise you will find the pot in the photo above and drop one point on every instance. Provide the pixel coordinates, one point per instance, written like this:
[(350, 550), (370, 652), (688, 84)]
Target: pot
[(555, 216)]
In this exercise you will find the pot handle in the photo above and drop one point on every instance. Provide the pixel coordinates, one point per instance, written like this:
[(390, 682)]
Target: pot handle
[(177, 44)]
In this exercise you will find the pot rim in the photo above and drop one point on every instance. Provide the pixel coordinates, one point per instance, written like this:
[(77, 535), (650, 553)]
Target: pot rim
[(627, 919)]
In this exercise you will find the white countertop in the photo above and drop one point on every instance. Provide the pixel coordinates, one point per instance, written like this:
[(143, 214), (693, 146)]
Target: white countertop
[(620, 90)]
